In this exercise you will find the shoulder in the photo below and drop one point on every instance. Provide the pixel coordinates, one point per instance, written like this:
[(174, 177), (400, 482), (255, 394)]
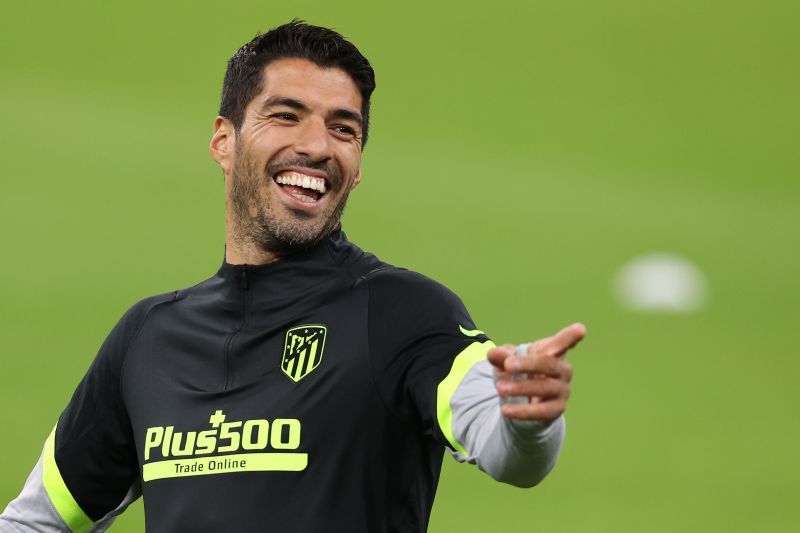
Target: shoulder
[(399, 293), (136, 315), (138, 311), (114, 348), (405, 284)]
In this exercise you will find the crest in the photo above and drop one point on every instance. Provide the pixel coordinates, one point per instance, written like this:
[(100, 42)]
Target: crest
[(302, 351)]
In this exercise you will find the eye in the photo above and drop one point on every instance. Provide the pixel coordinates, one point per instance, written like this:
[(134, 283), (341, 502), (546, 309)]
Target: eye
[(289, 117), (346, 130)]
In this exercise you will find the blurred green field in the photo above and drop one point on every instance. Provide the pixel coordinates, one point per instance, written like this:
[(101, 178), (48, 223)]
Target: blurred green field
[(520, 153)]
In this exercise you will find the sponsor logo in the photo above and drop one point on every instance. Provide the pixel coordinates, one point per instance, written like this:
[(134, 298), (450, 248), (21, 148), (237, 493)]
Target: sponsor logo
[(202, 449), (302, 351)]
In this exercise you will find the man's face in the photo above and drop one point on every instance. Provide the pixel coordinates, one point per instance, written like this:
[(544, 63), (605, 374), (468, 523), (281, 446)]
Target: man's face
[(296, 157)]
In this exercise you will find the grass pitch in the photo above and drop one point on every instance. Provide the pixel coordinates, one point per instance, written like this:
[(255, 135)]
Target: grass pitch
[(520, 155)]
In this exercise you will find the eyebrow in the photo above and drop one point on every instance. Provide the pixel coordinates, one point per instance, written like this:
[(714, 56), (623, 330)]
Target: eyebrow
[(340, 113)]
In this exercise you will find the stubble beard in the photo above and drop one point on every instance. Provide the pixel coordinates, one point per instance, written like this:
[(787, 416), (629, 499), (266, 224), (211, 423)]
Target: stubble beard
[(257, 224)]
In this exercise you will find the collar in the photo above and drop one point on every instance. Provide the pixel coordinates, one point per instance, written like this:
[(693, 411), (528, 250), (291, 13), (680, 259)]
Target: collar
[(315, 267)]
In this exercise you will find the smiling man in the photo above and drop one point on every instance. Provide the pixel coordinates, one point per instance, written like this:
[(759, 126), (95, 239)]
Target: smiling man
[(290, 157), (307, 386)]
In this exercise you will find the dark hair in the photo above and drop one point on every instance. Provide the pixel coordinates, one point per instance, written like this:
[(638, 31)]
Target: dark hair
[(323, 46)]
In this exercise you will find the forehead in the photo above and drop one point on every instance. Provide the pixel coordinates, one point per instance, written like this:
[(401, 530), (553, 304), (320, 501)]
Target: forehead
[(318, 87)]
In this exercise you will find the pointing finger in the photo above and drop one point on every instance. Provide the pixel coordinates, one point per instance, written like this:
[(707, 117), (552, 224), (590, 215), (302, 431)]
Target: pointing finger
[(562, 341)]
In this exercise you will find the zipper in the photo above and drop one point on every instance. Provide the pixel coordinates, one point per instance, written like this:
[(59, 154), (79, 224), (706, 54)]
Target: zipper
[(243, 280)]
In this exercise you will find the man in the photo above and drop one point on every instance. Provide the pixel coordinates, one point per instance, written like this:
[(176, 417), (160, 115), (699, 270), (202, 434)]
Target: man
[(307, 386)]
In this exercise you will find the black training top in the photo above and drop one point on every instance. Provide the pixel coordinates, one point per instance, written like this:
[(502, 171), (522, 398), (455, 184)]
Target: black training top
[(300, 395)]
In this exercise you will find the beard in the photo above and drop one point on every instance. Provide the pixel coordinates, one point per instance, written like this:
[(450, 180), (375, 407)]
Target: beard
[(256, 223)]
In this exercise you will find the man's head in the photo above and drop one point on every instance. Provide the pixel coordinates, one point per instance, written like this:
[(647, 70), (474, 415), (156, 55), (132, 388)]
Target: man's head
[(293, 123)]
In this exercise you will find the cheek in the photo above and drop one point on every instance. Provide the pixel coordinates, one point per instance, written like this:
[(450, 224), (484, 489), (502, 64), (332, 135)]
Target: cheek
[(267, 190), (350, 163)]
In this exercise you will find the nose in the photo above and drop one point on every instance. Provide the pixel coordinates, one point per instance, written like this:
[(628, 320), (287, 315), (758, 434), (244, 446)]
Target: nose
[(313, 141)]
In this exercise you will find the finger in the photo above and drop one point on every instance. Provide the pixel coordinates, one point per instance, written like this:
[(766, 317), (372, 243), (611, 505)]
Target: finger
[(562, 341), (539, 364), (545, 411), (540, 388), (498, 355)]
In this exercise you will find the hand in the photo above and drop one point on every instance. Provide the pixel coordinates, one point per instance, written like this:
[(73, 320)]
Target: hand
[(547, 375)]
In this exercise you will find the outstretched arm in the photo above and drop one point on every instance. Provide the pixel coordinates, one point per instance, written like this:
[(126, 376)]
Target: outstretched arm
[(508, 409), (435, 369)]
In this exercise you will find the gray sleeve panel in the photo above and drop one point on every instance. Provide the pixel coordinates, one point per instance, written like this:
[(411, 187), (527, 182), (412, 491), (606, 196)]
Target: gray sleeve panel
[(32, 511), (517, 452)]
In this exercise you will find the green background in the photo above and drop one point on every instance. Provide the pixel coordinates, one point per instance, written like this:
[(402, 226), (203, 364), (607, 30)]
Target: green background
[(520, 153)]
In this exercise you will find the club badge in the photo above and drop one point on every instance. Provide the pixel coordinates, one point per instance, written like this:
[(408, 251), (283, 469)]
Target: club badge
[(302, 351)]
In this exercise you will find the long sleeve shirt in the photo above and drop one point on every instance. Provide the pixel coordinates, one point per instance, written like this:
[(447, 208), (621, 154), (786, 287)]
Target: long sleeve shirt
[(315, 393)]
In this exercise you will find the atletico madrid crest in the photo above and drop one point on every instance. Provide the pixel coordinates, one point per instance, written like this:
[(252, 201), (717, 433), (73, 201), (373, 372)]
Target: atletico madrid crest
[(302, 352)]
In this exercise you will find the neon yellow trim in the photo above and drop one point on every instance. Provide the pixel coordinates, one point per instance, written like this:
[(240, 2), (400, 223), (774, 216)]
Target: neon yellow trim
[(225, 464), (470, 332), (444, 392), (66, 506)]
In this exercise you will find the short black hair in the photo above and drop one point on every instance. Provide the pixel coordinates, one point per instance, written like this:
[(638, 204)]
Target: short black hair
[(296, 39)]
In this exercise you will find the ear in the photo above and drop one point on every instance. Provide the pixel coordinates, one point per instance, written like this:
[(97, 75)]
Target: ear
[(222, 143), (357, 179)]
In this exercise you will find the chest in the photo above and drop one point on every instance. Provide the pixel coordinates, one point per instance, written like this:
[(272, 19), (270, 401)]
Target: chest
[(201, 384)]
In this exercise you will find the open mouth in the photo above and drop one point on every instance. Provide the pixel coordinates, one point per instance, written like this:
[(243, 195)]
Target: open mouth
[(302, 187)]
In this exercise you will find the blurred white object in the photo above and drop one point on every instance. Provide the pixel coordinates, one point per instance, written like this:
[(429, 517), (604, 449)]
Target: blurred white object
[(661, 282)]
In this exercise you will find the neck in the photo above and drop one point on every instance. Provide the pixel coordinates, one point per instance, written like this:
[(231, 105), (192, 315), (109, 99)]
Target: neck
[(241, 251), (237, 254)]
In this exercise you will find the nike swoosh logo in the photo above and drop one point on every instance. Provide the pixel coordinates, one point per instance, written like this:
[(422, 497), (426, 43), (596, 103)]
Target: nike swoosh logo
[(470, 332)]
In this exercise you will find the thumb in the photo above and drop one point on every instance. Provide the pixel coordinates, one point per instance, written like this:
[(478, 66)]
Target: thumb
[(498, 355)]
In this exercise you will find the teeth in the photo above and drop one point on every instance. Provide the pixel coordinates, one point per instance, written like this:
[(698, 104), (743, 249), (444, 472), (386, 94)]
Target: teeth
[(303, 198), (301, 180)]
